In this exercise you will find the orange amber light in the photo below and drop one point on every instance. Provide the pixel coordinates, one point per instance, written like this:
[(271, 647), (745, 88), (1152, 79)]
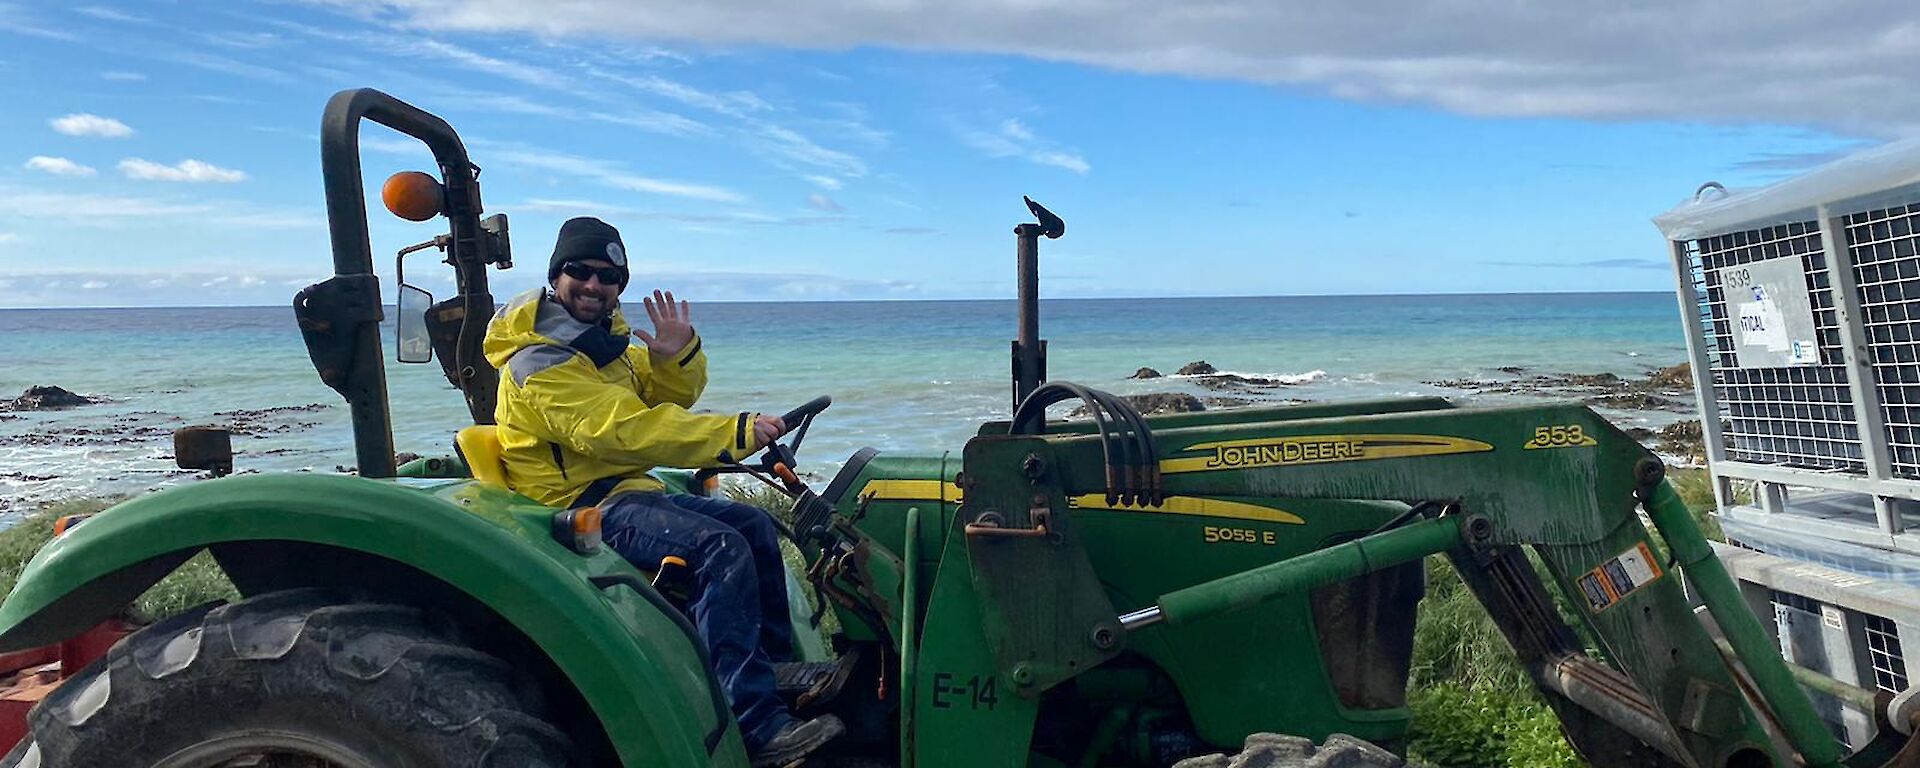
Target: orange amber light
[(412, 195), (586, 522)]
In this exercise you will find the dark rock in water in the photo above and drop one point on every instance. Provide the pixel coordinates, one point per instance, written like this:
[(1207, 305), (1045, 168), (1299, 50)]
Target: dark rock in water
[(1217, 402), (1592, 379), (1154, 402), (47, 398), (404, 457), (1637, 401), (1165, 402), (1197, 368), (1145, 373), (1640, 433), (1673, 377), (1662, 390), (1227, 382), (1683, 438)]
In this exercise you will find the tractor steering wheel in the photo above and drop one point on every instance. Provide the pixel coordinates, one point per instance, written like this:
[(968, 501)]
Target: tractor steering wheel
[(776, 459)]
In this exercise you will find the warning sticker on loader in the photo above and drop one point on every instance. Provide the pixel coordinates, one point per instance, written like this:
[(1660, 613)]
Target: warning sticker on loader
[(1615, 579)]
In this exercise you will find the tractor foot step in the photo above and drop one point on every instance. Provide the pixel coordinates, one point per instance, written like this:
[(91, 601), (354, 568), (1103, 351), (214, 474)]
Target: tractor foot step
[(794, 678), (810, 684)]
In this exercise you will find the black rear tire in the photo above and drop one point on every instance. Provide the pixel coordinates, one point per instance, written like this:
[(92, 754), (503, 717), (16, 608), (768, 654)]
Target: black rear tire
[(296, 678)]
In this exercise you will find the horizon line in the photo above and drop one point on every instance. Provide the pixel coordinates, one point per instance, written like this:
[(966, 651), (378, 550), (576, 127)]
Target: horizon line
[(947, 300)]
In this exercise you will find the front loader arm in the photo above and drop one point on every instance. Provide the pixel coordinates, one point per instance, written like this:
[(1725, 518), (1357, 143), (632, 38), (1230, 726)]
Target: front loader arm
[(1557, 479)]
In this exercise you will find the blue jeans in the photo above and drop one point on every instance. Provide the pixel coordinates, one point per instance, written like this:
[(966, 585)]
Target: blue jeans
[(739, 590)]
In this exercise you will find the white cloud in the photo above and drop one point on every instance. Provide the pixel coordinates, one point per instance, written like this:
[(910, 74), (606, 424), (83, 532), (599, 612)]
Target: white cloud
[(228, 66), (824, 204), (193, 171), (734, 103), (1016, 130), (525, 73), (673, 188), (654, 121), (22, 21), (828, 183), (1015, 139), (9, 237), (611, 174), (245, 41), (237, 285), (788, 144), (58, 166), (271, 219), (394, 145), (83, 124), (569, 207), (1791, 64), (991, 143), (110, 14), (63, 206), (103, 211), (1067, 160), (131, 77)]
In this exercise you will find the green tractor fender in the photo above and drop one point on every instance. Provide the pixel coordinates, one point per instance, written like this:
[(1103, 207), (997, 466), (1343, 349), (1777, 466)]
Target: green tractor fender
[(629, 656)]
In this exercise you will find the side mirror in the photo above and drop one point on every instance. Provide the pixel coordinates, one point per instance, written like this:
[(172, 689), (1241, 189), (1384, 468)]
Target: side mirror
[(411, 341)]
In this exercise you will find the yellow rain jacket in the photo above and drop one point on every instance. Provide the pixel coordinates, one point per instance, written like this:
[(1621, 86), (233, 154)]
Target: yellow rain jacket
[(579, 403)]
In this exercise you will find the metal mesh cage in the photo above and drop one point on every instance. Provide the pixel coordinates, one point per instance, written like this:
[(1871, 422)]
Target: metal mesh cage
[(1799, 416), (1881, 244), (1883, 652)]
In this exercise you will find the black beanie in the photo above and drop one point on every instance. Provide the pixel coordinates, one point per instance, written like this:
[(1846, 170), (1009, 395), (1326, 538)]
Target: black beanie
[(587, 238)]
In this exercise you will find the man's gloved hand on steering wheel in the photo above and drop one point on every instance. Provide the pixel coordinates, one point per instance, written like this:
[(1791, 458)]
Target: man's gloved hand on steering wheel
[(767, 429)]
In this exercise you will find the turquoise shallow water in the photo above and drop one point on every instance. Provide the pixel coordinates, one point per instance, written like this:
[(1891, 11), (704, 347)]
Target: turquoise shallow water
[(906, 376)]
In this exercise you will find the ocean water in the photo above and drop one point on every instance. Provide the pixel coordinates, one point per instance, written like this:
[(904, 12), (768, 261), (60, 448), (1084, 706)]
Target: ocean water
[(905, 376)]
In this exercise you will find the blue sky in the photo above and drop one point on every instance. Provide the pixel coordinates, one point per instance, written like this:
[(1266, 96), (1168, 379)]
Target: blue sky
[(167, 153)]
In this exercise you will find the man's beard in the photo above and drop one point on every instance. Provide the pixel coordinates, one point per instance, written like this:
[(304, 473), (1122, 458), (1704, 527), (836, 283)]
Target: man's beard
[(588, 310)]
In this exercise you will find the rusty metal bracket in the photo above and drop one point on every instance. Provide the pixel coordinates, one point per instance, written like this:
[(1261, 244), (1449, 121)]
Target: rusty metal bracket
[(990, 524)]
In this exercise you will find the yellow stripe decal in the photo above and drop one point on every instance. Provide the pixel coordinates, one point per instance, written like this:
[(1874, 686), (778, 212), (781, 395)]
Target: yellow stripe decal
[(911, 490), (932, 490), (1194, 505), (1315, 449)]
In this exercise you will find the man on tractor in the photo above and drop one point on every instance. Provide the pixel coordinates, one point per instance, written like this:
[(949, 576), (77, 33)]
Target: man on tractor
[(584, 413)]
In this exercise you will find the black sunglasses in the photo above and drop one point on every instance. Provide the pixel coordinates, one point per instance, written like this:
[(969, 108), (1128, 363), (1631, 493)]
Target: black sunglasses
[(579, 271)]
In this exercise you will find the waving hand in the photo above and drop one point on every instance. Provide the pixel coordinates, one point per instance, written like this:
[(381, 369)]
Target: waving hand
[(672, 324)]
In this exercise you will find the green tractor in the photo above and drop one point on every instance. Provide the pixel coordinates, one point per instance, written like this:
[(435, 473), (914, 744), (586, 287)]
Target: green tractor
[(1113, 591)]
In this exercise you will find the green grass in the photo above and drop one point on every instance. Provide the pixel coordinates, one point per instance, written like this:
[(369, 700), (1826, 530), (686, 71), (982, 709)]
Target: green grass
[(196, 582), (1695, 487), (1473, 706)]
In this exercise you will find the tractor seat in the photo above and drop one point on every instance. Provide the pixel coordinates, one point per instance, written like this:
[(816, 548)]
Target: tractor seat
[(479, 447)]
